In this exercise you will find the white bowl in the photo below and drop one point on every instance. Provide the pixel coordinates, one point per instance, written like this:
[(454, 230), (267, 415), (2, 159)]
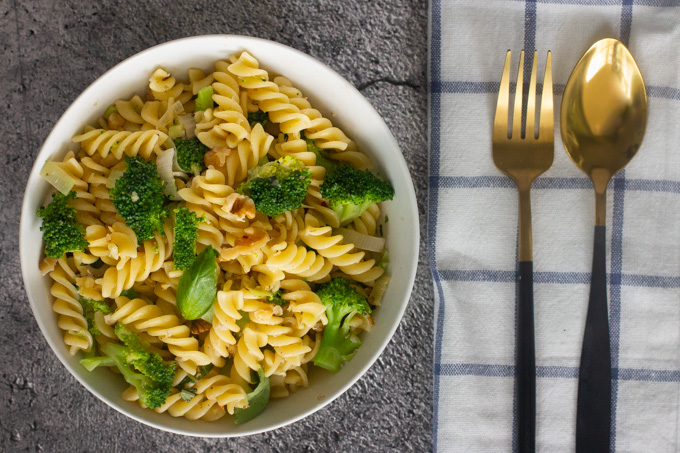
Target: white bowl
[(333, 96)]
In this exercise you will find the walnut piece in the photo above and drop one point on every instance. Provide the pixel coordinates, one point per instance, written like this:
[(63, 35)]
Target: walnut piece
[(217, 157), (239, 207), (253, 239), (199, 326)]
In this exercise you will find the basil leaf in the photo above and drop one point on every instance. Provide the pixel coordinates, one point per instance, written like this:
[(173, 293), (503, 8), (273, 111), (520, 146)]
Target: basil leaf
[(198, 286), (257, 401)]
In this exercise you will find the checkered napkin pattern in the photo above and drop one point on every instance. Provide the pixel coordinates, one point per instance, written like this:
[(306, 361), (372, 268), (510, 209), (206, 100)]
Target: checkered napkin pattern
[(473, 231)]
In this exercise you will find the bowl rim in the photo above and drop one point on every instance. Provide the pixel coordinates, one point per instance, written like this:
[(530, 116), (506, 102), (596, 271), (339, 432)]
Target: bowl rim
[(409, 194)]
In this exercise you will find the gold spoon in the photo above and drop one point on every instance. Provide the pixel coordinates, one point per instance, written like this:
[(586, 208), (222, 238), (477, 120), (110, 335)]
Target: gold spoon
[(603, 120)]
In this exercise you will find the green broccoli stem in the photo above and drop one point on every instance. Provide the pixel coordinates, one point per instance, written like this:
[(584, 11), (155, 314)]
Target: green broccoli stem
[(90, 363), (117, 353), (149, 392), (337, 346), (204, 99), (347, 213)]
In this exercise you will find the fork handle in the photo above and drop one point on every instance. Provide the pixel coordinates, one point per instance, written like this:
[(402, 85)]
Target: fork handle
[(593, 410), (526, 360), (526, 355)]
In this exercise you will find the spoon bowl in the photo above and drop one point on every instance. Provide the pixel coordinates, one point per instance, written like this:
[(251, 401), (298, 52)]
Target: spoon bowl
[(604, 111), (603, 120)]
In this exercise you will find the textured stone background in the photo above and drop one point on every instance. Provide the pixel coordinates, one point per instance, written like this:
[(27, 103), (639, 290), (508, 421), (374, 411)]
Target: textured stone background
[(51, 51)]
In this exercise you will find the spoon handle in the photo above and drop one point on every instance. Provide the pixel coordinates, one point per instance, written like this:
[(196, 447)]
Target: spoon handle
[(593, 412)]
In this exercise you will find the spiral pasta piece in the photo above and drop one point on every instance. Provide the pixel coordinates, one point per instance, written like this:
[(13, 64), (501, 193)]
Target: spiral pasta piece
[(120, 143), (285, 343), (249, 352), (321, 130), (301, 262), (234, 124), (224, 326), (304, 304), (161, 82), (198, 408), (247, 155), (224, 125), (154, 254), (223, 391), (249, 75), (66, 305), (332, 247)]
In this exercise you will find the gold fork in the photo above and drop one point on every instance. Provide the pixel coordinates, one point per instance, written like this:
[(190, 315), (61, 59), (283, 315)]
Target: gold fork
[(523, 159)]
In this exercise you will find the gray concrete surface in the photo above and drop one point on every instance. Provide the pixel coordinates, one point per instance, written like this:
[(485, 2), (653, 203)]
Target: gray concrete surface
[(51, 51)]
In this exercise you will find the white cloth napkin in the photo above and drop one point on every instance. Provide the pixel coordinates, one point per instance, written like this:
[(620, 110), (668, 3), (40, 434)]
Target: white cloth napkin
[(473, 231)]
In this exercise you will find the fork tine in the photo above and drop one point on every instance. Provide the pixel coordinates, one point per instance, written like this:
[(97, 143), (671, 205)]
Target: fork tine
[(546, 120), (531, 102), (500, 123), (517, 115)]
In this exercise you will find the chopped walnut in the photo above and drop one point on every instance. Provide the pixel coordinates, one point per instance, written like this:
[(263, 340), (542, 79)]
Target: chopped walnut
[(252, 239), (217, 157), (239, 206), (47, 265), (199, 326)]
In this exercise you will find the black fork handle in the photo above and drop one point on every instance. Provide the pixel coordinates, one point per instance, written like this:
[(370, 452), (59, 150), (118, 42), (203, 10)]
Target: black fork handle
[(526, 360), (593, 411)]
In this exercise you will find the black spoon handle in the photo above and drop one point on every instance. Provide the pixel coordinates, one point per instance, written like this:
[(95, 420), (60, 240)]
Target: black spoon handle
[(526, 360), (593, 412)]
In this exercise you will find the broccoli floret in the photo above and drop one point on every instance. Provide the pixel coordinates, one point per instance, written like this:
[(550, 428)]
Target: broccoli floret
[(350, 191), (149, 363), (277, 186), (61, 233), (151, 393), (139, 199), (90, 306), (186, 233), (342, 302), (145, 370), (191, 154), (260, 116)]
